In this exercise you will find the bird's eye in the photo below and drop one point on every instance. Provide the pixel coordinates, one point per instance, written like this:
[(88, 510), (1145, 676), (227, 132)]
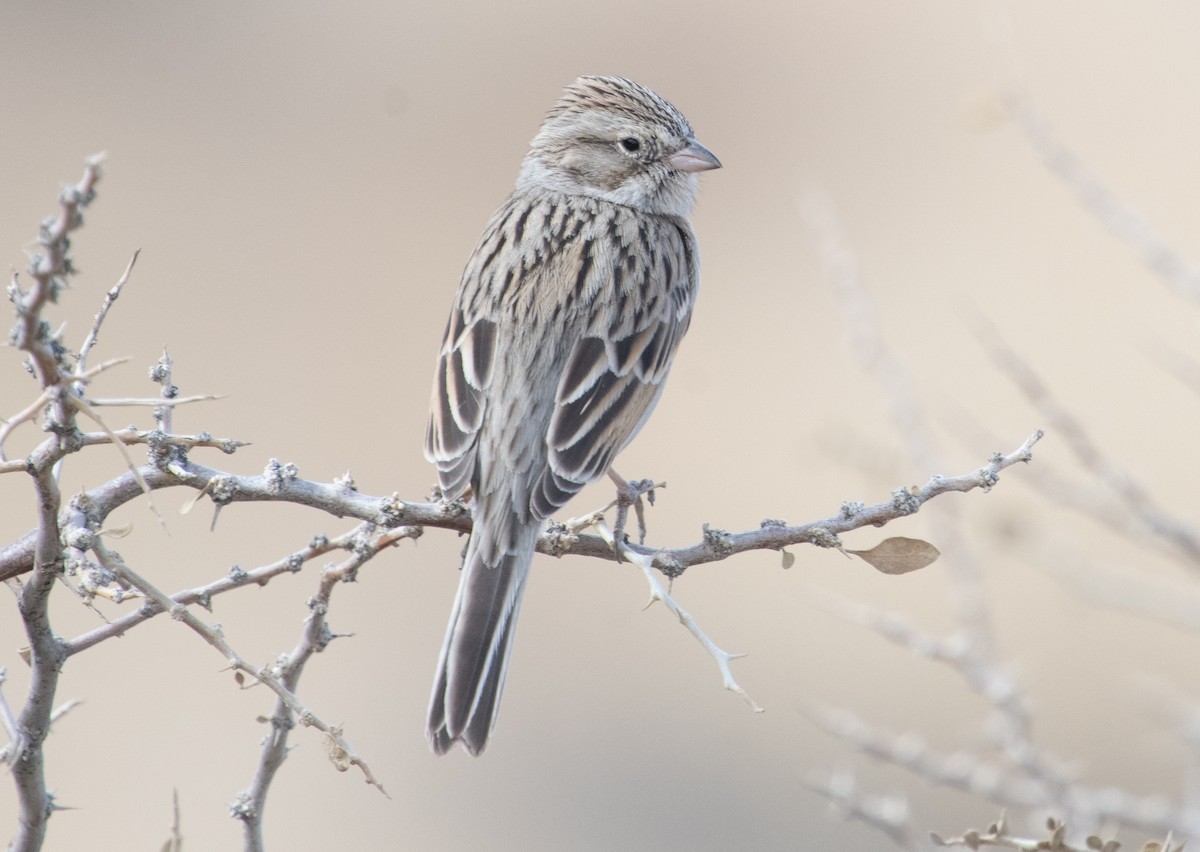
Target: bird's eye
[(630, 144)]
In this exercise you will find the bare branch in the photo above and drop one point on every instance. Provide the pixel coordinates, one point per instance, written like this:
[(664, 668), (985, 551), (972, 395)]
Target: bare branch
[(48, 394), (281, 484), (12, 752), (23, 416), (316, 636), (1005, 787), (82, 406), (997, 836), (1012, 727), (236, 578), (49, 272), (972, 650), (1126, 224), (175, 841), (886, 814), (164, 415), (154, 438), (109, 298), (1137, 500), (152, 402), (268, 676), (658, 593)]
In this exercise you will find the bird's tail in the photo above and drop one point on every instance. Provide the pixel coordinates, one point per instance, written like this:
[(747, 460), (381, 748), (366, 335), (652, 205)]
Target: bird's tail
[(474, 658)]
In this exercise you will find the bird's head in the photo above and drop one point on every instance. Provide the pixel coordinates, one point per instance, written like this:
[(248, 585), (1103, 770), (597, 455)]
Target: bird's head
[(612, 139)]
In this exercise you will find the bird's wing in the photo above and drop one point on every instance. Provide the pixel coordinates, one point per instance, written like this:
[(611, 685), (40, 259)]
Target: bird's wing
[(613, 377), (463, 372)]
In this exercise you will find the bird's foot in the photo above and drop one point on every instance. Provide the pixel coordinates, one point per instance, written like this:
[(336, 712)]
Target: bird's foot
[(629, 494)]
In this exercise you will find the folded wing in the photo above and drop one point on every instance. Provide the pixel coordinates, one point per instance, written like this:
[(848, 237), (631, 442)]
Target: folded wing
[(464, 371), (607, 391)]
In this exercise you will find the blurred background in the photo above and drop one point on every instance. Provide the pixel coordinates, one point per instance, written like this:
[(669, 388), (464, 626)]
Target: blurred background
[(305, 182)]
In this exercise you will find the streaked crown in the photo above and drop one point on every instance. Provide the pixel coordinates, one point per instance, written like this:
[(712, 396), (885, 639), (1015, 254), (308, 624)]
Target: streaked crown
[(618, 96)]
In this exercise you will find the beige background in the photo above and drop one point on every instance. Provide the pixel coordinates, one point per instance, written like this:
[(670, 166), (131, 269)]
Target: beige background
[(305, 181)]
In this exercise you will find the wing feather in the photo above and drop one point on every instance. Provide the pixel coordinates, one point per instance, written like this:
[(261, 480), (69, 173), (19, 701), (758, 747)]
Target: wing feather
[(601, 307), (614, 373), (459, 402)]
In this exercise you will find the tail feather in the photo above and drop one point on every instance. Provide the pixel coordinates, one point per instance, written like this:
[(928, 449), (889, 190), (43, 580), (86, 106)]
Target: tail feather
[(479, 637)]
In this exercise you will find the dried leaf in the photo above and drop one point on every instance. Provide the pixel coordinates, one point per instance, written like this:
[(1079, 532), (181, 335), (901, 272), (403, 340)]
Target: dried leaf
[(336, 754), (899, 555), (789, 559)]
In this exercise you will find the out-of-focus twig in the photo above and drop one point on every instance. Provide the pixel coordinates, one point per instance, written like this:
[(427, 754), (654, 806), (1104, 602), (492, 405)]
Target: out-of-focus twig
[(1134, 496), (1125, 223)]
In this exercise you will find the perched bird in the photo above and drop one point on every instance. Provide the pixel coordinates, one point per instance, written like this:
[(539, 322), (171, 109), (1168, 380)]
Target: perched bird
[(559, 341)]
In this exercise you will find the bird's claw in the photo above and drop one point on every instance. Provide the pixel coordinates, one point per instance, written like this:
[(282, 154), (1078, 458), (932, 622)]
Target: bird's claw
[(629, 493)]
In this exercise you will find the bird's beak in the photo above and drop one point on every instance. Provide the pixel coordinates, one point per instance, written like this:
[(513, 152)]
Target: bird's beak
[(693, 157)]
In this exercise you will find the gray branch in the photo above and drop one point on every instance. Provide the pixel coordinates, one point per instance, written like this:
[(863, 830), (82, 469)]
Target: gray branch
[(49, 272)]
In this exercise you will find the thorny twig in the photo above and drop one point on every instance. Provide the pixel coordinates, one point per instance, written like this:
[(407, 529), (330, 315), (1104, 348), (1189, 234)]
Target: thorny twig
[(365, 542), (269, 676), (49, 271)]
